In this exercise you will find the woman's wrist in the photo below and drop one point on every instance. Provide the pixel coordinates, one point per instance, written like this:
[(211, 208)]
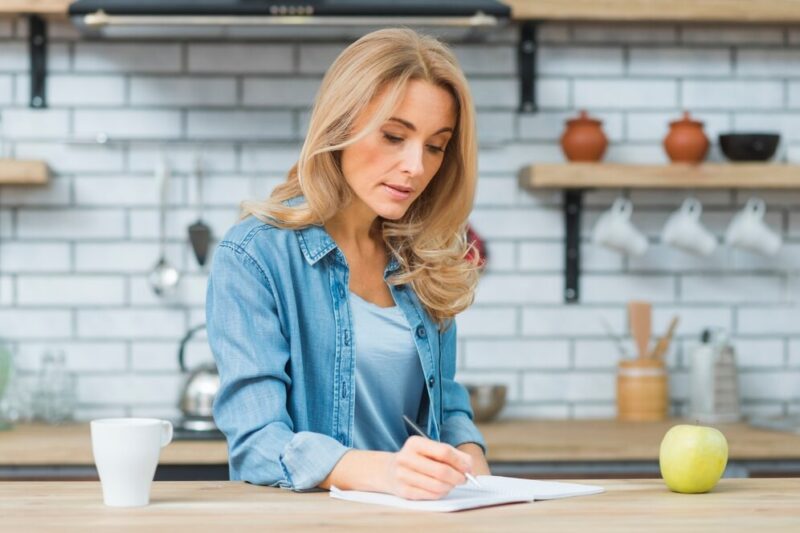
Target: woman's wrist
[(360, 470)]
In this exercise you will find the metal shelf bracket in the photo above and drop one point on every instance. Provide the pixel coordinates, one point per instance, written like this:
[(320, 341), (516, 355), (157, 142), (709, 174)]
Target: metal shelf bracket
[(37, 40), (573, 205), (526, 64)]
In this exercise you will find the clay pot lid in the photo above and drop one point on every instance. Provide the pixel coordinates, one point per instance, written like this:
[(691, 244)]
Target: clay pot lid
[(583, 118), (687, 119)]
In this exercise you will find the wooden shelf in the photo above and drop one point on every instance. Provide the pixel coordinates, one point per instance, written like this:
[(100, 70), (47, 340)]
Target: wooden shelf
[(20, 172), (729, 11), (49, 8), (674, 176)]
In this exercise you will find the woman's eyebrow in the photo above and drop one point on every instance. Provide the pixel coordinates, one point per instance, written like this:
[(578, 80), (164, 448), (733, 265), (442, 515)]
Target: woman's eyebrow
[(410, 126)]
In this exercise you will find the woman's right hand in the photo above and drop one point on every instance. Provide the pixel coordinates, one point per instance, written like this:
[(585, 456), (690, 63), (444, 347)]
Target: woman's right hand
[(426, 470)]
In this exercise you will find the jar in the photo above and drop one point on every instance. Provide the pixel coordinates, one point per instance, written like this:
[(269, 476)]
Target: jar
[(642, 390), (584, 139), (686, 142)]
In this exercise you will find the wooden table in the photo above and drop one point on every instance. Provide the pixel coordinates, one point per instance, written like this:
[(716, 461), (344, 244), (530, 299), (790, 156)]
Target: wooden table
[(751, 505), (537, 448)]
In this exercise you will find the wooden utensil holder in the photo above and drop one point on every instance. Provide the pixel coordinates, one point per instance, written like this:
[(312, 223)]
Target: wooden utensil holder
[(642, 390)]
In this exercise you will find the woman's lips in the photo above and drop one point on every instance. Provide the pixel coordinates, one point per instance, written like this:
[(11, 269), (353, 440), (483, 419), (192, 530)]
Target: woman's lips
[(397, 194)]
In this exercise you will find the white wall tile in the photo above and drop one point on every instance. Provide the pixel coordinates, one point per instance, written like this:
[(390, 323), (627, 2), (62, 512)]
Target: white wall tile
[(552, 411), (128, 192), (14, 57), (615, 288), (73, 224), (507, 223), (550, 126), (730, 34), (570, 320), (479, 59), (502, 257), (240, 57), (6, 89), (579, 61), (503, 288), (70, 290), (35, 123), (679, 62), (601, 354), (487, 321), (717, 289), (65, 158), (240, 125), (726, 94), (767, 62), (280, 92), (20, 257), (515, 354), (39, 324), (6, 27), (125, 257), (594, 410), (127, 57), (602, 32), (182, 91), (758, 353), (496, 191), (655, 126), (794, 353), (88, 357), (769, 385), (131, 324), (541, 386), (768, 320), (95, 91), (784, 123), (128, 123), (495, 93), (57, 193), (130, 389), (625, 94), (553, 93), (509, 379)]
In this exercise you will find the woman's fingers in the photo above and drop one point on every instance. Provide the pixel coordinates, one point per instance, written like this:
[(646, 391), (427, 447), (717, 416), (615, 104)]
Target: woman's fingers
[(442, 453), (436, 470)]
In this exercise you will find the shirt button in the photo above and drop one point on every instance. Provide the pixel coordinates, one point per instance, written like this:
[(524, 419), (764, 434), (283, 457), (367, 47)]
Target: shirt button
[(400, 287), (421, 333), (347, 337), (344, 389), (340, 290), (431, 381)]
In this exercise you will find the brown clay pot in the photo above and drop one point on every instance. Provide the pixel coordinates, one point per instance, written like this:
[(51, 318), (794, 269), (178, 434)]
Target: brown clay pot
[(686, 142), (583, 139)]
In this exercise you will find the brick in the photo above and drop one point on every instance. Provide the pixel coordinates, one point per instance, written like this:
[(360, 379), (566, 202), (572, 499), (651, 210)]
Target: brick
[(502, 288), (280, 92), (70, 290), (182, 91), (57, 193), (269, 159), (125, 192), (679, 62), (601, 354), (509, 379), (541, 386), (130, 389), (482, 59), (501, 257), (511, 157), (768, 320), (767, 62), (731, 289), (517, 223), (758, 353), (66, 158), (496, 191), (495, 93), (732, 94), (240, 125), (14, 57), (123, 257), (124, 57), (19, 257), (154, 356), (615, 288), (131, 324), (6, 90), (245, 58), (553, 93), (85, 357), (317, 58), (516, 354), (182, 159), (785, 123), (487, 321), (727, 34), (580, 61), (71, 224), (128, 123), (794, 353), (624, 33), (35, 123), (573, 321), (95, 91), (764, 385), (693, 320), (35, 325), (144, 223), (494, 127), (625, 94)]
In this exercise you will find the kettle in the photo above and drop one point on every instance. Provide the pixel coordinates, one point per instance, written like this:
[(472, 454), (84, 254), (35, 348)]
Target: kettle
[(197, 397)]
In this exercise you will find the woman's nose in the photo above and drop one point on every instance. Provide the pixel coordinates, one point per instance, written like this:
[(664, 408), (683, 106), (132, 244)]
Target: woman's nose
[(412, 160)]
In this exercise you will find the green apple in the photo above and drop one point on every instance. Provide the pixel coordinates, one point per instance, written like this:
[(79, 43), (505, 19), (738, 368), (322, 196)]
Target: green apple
[(692, 458)]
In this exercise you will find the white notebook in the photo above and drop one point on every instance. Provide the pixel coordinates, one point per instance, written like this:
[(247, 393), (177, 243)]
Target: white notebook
[(494, 490)]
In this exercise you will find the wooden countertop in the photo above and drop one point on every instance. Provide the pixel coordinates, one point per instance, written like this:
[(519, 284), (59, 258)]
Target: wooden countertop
[(508, 441), (734, 505)]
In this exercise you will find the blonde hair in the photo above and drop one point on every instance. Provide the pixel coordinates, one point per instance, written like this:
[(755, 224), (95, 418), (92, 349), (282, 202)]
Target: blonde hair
[(429, 241)]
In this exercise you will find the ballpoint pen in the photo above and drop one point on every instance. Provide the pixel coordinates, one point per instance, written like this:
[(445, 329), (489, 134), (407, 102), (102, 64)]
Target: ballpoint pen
[(418, 431)]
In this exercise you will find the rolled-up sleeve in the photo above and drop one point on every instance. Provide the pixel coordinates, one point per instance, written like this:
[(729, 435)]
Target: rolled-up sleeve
[(457, 424), (251, 353)]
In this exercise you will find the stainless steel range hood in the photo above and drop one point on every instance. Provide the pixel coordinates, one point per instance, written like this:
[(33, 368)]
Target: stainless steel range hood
[(281, 19)]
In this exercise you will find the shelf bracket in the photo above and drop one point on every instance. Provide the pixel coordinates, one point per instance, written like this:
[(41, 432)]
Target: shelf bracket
[(573, 205), (526, 64), (37, 40)]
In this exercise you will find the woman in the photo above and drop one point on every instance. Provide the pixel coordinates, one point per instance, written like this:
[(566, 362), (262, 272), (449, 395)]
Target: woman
[(330, 309)]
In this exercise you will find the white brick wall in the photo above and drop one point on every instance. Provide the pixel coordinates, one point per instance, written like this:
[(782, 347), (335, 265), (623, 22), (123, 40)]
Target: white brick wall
[(74, 256)]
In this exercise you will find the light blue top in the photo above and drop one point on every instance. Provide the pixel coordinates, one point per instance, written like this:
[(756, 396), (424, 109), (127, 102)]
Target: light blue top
[(389, 380), (281, 331)]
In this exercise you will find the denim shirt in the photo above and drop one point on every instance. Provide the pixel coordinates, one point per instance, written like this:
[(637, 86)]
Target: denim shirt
[(280, 328)]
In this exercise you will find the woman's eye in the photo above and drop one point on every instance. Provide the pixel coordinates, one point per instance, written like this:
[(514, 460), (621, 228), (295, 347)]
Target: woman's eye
[(435, 149), (392, 139)]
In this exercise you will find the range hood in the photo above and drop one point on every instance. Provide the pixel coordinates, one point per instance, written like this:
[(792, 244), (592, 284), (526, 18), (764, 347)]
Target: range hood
[(281, 19)]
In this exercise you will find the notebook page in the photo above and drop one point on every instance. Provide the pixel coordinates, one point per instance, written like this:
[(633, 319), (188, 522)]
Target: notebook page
[(458, 499), (530, 489)]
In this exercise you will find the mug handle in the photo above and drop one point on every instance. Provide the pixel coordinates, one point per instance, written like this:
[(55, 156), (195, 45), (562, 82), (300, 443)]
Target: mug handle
[(756, 206), (692, 207), (166, 432), (622, 207)]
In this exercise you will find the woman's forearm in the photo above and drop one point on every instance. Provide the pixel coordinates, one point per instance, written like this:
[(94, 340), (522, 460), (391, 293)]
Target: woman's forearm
[(359, 470)]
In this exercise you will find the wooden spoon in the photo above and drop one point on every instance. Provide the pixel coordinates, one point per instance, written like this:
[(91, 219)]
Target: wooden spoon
[(639, 316)]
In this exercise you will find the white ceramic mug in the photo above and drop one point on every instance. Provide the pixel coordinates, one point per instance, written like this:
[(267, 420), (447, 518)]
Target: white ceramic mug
[(615, 230), (685, 231), (126, 454), (749, 231)]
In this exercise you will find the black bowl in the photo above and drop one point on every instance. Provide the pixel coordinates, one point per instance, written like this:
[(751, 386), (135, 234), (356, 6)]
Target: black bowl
[(749, 146)]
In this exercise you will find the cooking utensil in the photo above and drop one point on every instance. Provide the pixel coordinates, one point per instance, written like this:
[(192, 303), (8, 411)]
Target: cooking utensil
[(663, 343), (197, 397), (486, 400), (199, 232), (164, 277), (639, 316), (749, 146)]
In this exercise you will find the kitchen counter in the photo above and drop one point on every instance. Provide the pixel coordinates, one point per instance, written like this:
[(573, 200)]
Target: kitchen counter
[(734, 505), (534, 448)]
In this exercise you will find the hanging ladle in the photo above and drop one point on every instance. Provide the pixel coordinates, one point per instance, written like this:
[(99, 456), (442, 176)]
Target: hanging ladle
[(199, 232), (164, 277)]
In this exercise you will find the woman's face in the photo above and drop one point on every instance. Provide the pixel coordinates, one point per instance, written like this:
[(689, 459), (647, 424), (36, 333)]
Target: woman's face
[(390, 167)]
